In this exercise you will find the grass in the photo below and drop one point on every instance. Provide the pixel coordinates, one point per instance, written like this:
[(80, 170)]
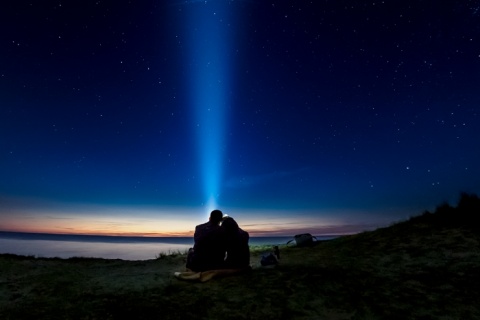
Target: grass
[(171, 253), (423, 268)]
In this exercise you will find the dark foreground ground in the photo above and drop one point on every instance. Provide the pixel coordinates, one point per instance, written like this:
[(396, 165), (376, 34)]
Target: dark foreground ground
[(424, 268)]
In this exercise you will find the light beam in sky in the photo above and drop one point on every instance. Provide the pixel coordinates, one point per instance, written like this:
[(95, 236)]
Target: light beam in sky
[(208, 62)]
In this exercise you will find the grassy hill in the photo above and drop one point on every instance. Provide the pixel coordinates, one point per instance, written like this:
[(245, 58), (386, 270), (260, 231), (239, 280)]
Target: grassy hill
[(425, 268)]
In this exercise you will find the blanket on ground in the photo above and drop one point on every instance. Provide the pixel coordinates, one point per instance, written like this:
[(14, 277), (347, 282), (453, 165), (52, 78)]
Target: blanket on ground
[(207, 275)]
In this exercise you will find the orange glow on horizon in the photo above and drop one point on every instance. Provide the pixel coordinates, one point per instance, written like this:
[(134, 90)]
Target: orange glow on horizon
[(178, 222)]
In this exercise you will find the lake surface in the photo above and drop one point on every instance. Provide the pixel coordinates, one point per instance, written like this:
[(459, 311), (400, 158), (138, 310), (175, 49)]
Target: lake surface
[(107, 247)]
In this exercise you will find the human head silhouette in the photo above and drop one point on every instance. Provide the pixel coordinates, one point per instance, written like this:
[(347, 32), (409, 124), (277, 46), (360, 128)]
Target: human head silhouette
[(230, 224), (216, 216)]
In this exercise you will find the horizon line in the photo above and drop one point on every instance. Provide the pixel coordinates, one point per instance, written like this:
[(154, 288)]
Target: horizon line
[(159, 235)]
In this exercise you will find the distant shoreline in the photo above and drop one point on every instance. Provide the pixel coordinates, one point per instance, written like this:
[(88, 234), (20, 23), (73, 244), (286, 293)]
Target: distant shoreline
[(117, 239), (109, 247)]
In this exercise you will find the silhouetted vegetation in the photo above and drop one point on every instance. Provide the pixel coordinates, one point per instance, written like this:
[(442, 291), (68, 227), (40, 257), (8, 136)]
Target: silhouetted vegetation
[(465, 215)]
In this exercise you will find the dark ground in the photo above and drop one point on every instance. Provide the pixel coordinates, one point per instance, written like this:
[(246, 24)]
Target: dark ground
[(424, 268)]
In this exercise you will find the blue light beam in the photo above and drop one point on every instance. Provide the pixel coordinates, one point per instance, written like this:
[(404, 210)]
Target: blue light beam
[(209, 43)]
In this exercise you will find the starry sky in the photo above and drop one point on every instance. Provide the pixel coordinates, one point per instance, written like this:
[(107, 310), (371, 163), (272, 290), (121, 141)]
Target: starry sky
[(329, 117)]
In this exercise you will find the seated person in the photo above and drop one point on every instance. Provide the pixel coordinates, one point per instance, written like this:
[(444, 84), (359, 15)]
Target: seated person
[(236, 240), (208, 251)]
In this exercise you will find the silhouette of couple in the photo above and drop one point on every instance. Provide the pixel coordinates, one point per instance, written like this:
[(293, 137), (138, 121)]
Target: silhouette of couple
[(218, 250)]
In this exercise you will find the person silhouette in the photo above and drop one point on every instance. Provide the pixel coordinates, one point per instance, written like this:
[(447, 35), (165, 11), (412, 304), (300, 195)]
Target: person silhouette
[(236, 241), (208, 252), (230, 254)]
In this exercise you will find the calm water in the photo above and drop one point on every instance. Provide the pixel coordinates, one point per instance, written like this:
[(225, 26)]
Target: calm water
[(126, 248)]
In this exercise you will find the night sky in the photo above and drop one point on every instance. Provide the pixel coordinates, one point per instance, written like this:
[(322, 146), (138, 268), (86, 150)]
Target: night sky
[(139, 117)]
